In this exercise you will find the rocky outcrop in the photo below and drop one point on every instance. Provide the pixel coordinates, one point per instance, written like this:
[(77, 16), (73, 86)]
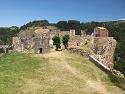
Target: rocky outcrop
[(118, 73), (105, 48), (102, 49)]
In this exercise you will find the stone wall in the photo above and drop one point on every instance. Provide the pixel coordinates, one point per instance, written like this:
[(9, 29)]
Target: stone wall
[(17, 44), (78, 40), (100, 32), (5, 48), (80, 51), (58, 33), (20, 44), (99, 64), (42, 43)]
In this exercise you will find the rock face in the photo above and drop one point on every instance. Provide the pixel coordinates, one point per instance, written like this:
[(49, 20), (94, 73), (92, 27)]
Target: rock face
[(105, 48)]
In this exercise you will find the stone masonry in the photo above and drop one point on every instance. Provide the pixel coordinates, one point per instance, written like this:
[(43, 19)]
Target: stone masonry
[(42, 37)]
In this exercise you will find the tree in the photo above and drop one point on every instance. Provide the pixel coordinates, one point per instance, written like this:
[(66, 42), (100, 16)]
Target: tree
[(119, 57), (1, 43), (56, 41), (62, 25), (65, 41), (72, 24)]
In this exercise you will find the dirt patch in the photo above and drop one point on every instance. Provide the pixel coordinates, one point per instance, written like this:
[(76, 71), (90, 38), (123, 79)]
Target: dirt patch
[(29, 87), (51, 54), (97, 85)]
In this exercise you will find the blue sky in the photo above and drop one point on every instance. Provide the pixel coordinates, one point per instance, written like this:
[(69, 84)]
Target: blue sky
[(20, 12)]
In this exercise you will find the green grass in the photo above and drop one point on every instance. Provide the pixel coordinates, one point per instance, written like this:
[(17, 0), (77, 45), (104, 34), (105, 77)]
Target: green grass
[(52, 73), (15, 68)]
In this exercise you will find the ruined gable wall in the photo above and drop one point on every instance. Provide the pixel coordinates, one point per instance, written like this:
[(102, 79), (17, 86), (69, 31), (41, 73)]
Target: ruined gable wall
[(17, 44), (27, 39)]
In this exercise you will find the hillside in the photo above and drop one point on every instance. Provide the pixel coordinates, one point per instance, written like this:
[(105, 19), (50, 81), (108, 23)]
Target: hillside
[(57, 72), (116, 30), (30, 30)]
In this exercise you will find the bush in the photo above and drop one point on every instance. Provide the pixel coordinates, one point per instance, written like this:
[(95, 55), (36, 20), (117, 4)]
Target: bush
[(120, 82)]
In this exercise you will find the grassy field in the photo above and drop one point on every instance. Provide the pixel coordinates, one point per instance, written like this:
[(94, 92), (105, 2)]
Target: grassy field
[(52, 73)]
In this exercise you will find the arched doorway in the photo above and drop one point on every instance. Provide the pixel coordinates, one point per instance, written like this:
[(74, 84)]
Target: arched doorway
[(41, 50), (77, 44)]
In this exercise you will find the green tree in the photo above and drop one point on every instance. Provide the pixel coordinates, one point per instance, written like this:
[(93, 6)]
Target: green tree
[(65, 41), (62, 25), (73, 24), (119, 57), (56, 41), (1, 43)]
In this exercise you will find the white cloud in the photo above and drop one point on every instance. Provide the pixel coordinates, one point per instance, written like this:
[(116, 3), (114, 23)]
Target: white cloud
[(122, 19)]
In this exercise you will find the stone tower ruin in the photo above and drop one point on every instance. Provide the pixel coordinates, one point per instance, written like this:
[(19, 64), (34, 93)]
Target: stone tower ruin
[(42, 37)]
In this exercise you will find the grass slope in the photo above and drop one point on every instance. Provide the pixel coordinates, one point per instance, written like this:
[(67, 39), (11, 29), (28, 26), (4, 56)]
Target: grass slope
[(52, 73)]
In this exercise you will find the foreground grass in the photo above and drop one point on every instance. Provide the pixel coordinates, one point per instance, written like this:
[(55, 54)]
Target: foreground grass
[(15, 70), (52, 73)]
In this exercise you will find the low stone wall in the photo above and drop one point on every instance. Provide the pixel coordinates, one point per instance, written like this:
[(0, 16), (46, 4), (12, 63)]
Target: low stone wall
[(28, 51), (5, 48), (99, 64), (80, 51)]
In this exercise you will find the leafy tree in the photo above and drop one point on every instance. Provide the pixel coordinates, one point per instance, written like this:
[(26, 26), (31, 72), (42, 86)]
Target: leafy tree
[(62, 25), (56, 41), (65, 41), (1, 43), (39, 23), (119, 57), (6, 35), (73, 24)]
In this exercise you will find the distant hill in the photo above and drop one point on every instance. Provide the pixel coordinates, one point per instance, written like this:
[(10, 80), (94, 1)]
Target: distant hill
[(36, 23)]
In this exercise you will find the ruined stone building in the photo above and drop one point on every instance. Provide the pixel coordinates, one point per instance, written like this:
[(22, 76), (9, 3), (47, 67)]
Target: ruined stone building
[(28, 43), (24, 42), (79, 40), (58, 33), (74, 40), (41, 39), (100, 32)]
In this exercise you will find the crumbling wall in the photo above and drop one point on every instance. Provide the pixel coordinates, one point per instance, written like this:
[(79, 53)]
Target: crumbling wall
[(80, 51)]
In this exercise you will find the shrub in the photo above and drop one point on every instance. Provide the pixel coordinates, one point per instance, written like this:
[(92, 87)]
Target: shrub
[(119, 81)]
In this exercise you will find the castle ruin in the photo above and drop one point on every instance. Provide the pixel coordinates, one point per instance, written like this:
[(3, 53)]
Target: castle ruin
[(41, 40)]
